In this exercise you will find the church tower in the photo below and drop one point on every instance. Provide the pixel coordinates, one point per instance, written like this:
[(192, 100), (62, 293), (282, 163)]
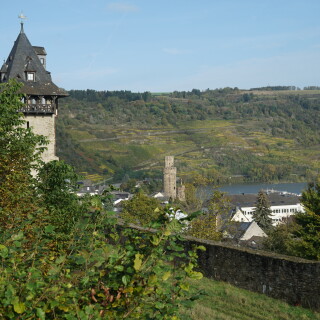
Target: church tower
[(27, 64)]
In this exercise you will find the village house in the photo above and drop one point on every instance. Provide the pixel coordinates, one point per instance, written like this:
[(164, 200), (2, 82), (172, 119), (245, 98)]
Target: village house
[(282, 205)]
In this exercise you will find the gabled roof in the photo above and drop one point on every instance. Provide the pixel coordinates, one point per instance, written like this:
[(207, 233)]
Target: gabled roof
[(23, 58), (243, 230)]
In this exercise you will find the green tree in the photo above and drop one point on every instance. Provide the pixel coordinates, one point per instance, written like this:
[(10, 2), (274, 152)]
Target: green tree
[(308, 231), (57, 185), (281, 238), (262, 213), (20, 153), (207, 226), (307, 236), (141, 209), (300, 236), (311, 197)]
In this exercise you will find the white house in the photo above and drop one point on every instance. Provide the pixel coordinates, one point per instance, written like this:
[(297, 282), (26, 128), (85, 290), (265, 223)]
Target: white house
[(281, 205)]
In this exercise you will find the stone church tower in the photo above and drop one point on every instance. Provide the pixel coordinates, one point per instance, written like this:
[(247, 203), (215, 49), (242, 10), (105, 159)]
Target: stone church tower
[(170, 178), (27, 64)]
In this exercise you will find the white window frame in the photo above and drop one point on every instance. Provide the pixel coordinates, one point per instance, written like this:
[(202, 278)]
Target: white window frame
[(30, 76)]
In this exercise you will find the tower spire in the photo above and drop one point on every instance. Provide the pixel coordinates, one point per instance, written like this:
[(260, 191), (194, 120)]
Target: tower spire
[(22, 17)]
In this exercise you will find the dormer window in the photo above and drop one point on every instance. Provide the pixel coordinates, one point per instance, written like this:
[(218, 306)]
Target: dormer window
[(30, 76), (42, 61)]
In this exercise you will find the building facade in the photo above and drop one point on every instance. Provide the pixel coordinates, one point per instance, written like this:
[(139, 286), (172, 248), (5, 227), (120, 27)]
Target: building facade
[(27, 65), (282, 207)]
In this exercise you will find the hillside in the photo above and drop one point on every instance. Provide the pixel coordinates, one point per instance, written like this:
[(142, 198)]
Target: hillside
[(226, 134), (225, 302)]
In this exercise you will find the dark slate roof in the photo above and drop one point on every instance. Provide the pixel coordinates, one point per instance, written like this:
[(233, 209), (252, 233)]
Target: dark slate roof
[(236, 229), (22, 58), (275, 199), (40, 50), (120, 194)]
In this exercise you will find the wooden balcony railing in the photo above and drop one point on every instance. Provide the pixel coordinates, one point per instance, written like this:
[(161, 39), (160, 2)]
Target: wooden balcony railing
[(38, 108)]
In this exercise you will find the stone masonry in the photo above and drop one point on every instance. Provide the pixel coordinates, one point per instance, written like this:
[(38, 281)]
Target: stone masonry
[(169, 178), (294, 280), (45, 125)]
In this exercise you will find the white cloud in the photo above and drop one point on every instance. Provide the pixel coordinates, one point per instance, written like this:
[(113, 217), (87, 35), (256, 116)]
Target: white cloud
[(122, 7)]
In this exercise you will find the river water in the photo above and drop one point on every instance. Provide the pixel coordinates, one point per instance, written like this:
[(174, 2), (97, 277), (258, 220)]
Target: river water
[(254, 188)]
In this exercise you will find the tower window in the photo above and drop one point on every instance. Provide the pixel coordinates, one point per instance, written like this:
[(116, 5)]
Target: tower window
[(30, 76)]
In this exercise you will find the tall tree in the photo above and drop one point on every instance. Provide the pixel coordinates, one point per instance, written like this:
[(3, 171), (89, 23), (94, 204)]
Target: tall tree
[(207, 226), (56, 187), (308, 231), (262, 213), (301, 235), (20, 151), (311, 197)]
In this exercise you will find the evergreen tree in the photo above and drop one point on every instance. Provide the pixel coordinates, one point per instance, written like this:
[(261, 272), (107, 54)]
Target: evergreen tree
[(262, 213)]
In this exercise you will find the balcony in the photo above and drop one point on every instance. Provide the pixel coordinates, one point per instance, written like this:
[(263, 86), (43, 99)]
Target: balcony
[(38, 109)]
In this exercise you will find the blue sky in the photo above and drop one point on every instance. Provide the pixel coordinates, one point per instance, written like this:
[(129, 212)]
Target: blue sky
[(161, 46)]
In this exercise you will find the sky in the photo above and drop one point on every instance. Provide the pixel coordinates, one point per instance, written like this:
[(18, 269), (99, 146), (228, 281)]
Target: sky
[(167, 45)]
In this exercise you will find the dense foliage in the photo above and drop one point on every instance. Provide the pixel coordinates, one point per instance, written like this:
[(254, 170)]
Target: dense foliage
[(63, 257), (300, 236), (128, 274), (20, 151), (208, 225), (141, 209)]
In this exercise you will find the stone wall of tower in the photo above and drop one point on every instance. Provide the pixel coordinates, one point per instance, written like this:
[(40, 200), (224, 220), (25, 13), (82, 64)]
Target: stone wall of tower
[(44, 125), (181, 193), (170, 178), (169, 161)]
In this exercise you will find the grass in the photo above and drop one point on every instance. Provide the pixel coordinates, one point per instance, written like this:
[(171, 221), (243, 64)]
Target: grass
[(225, 302)]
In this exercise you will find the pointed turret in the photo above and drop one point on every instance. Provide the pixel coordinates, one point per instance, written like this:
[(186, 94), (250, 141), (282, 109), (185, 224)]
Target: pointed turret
[(24, 64), (27, 64)]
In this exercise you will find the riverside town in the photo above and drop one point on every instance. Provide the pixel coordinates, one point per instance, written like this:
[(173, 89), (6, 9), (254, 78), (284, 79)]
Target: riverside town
[(126, 193)]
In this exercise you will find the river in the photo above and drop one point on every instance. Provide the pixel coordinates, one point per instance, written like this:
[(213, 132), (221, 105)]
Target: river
[(254, 188)]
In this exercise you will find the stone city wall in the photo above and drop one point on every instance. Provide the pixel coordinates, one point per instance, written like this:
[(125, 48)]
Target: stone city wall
[(294, 280)]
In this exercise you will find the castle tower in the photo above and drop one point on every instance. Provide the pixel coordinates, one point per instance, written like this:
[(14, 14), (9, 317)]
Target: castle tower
[(169, 178), (27, 64), (181, 192)]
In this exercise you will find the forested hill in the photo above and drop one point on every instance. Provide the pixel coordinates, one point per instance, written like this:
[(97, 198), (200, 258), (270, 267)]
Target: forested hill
[(225, 134)]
